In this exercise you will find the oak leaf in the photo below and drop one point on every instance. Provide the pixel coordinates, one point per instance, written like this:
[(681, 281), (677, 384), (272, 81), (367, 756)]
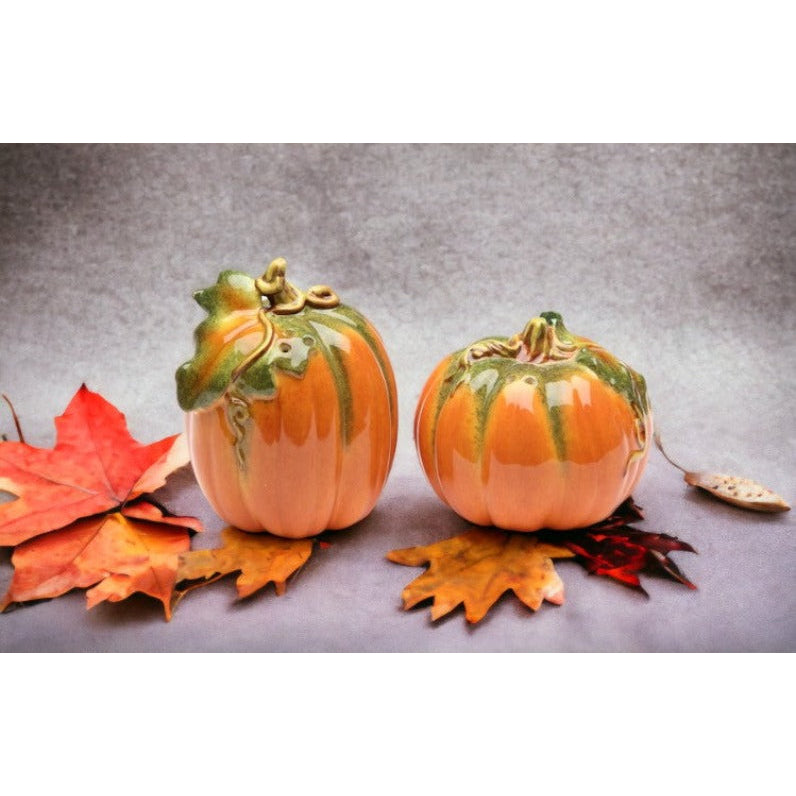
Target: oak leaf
[(477, 567), (118, 553), (94, 467), (260, 558)]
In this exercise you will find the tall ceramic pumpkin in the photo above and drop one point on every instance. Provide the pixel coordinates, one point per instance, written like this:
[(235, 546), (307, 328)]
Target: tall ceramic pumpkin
[(291, 406), (544, 429)]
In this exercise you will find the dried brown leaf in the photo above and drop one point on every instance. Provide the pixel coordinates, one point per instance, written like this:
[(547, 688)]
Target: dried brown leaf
[(743, 492)]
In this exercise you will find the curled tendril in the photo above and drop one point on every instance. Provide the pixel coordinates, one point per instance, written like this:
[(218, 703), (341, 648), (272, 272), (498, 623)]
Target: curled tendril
[(238, 414), (322, 297), (490, 348), (262, 347), (283, 299)]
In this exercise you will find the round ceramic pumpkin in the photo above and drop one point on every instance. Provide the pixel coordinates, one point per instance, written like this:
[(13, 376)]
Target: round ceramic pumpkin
[(291, 406), (544, 429)]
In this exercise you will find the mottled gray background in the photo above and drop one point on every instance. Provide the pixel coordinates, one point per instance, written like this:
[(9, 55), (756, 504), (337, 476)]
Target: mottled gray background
[(680, 259)]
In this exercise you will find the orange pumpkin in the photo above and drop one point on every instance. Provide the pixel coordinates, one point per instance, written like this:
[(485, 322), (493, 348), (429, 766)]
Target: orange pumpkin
[(291, 406), (541, 430)]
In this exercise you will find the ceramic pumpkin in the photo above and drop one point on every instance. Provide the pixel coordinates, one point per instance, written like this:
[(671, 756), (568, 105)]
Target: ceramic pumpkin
[(540, 430), (291, 406)]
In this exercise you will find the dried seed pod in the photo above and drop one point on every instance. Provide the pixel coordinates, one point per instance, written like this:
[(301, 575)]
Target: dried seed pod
[(743, 492)]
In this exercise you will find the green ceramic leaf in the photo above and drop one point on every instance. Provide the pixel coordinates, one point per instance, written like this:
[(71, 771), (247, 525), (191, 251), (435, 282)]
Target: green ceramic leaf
[(203, 379)]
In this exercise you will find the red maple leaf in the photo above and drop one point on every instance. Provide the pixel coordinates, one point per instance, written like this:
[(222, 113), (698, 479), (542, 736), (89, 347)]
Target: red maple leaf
[(117, 553), (95, 467), (83, 517), (617, 550)]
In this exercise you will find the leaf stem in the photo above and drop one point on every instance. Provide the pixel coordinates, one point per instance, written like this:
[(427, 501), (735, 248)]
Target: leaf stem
[(657, 437), (178, 594), (16, 419)]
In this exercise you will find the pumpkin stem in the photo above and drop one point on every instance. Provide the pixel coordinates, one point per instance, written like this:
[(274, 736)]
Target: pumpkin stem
[(283, 298), (545, 339), (286, 299)]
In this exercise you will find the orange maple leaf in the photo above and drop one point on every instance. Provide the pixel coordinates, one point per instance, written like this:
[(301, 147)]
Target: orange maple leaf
[(259, 557), (117, 553), (477, 567), (95, 467)]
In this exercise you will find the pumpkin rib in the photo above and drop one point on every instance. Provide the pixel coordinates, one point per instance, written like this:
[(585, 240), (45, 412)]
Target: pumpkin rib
[(338, 464), (388, 378), (631, 469), (425, 441), (349, 468), (507, 470), (211, 462), (367, 455), (298, 455), (456, 457), (574, 476), (618, 419), (584, 443), (328, 336), (367, 331), (448, 381)]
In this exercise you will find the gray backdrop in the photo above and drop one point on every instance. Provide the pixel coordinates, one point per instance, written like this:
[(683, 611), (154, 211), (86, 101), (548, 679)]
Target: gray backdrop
[(680, 259)]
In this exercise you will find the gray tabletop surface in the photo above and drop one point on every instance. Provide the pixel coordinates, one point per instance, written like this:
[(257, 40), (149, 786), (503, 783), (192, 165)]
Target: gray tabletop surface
[(681, 259)]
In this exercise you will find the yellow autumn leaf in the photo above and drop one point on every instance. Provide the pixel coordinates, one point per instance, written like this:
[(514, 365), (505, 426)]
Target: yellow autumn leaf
[(477, 567), (260, 558)]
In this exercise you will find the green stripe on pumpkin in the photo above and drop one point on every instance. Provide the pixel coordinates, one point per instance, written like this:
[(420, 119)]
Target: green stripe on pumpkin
[(329, 339), (487, 376), (355, 320), (621, 378)]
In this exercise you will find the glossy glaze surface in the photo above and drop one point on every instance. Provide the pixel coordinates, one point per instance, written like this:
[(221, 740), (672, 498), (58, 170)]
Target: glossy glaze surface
[(524, 434), (302, 437)]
